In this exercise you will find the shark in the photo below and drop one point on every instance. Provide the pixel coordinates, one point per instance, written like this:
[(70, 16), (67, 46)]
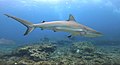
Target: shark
[(71, 26)]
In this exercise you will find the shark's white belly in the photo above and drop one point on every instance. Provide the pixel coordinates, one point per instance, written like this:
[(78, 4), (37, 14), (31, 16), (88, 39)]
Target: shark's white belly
[(67, 29)]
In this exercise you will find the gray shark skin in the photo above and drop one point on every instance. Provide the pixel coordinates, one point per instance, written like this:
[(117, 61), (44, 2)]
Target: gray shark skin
[(70, 26)]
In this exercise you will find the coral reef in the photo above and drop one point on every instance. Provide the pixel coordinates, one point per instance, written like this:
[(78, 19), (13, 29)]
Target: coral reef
[(49, 53), (39, 52), (80, 47), (91, 54)]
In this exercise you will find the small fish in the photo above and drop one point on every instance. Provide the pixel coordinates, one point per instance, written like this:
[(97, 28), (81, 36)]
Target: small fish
[(70, 26)]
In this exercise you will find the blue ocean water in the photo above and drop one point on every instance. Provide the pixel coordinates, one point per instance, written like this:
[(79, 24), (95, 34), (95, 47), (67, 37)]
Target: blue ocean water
[(46, 47), (101, 15)]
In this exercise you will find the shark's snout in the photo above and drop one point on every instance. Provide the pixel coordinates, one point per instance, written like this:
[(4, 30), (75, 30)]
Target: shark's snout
[(98, 33), (93, 34)]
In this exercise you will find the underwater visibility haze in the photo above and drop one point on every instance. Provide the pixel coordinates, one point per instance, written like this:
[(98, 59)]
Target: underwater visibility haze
[(85, 30)]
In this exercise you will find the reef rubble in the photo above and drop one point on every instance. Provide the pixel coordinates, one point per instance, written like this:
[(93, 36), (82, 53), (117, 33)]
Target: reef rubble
[(48, 53)]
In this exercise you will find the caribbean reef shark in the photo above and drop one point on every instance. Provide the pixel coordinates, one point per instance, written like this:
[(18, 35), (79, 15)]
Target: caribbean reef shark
[(70, 26)]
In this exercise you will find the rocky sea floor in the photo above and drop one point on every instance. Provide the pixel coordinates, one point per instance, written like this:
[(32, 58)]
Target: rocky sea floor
[(61, 53)]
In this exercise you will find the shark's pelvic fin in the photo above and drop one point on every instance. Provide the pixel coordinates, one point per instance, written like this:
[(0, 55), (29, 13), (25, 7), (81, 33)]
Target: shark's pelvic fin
[(29, 25), (71, 18)]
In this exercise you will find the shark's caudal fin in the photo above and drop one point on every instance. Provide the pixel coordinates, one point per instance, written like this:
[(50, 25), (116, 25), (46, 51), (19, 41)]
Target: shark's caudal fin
[(29, 25)]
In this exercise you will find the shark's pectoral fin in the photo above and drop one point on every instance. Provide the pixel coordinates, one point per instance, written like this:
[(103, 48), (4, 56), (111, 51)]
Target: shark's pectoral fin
[(73, 34)]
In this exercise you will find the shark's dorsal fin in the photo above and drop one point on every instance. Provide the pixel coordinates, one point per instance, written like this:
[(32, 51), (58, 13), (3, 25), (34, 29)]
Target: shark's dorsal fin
[(71, 18)]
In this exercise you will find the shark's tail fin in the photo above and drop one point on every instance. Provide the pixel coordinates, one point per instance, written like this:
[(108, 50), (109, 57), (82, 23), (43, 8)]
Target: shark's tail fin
[(29, 25)]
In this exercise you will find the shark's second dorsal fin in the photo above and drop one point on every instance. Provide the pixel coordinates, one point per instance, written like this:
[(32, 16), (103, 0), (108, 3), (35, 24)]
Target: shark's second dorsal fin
[(71, 18)]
